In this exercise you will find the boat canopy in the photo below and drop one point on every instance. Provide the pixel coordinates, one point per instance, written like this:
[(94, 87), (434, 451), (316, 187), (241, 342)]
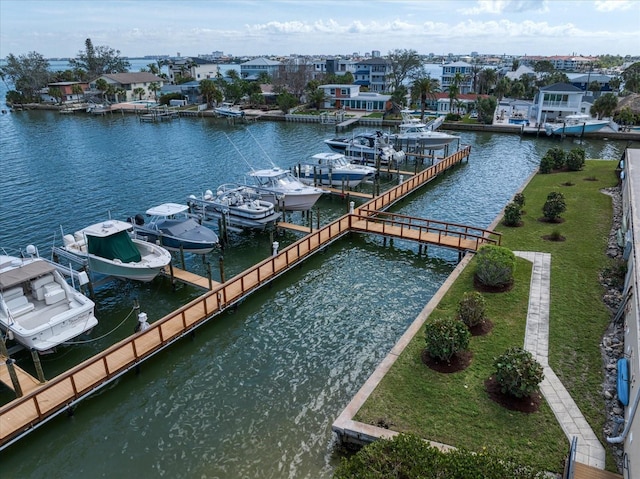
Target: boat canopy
[(117, 246), (24, 272), (167, 209)]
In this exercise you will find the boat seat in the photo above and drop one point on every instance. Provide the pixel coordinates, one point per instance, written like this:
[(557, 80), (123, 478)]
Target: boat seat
[(12, 293), (19, 306), (37, 286), (53, 293)]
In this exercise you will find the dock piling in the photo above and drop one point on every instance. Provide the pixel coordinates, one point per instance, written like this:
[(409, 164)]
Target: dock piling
[(38, 365), (14, 377)]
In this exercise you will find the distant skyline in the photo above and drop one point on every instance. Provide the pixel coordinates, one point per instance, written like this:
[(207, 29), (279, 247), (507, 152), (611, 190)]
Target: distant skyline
[(59, 28)]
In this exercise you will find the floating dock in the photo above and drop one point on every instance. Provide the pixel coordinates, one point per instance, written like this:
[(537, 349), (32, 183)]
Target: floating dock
[(42, 401)]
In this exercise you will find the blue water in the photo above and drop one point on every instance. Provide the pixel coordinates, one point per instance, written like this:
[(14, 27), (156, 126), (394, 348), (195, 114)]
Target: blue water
[(254, 393)]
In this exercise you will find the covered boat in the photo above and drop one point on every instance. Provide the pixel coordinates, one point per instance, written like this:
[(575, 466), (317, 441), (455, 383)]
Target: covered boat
[(413, 132), (170, 226), (279, 186), (367, 148), (38, 308), (333, 169)]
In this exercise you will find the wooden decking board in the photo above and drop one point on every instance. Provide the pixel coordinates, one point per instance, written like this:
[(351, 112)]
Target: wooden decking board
[(21, 414), (583, 471)]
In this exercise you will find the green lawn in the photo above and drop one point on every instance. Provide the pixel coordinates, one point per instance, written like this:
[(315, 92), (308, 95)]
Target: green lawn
[(454, 408)]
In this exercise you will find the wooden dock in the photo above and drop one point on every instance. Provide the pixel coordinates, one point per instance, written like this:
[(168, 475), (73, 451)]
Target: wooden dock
[(40, 403), (27, 382)]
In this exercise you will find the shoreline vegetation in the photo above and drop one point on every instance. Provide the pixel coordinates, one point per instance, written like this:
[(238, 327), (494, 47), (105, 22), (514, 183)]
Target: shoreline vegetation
[(455, 409)]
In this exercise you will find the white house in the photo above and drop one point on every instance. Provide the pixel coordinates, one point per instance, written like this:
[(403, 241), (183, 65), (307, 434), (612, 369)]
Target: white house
[(129, 82), (350, 97), (556, 101), (373, 74), (449, 71), (252, 69), (196, 68)]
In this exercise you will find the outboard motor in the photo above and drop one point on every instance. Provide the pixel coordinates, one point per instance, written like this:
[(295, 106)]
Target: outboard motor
[(139, 219)]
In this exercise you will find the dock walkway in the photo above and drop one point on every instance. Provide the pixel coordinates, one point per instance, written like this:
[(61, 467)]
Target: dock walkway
[(37, 406)]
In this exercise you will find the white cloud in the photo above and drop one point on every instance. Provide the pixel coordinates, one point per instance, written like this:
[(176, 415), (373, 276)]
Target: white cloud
[(499, 7), (613, 5)]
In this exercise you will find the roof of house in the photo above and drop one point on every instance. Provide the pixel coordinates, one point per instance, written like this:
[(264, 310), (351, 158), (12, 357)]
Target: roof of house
[(260, 61), (374, 61), (592, 77), (520, 71), (565, 87), (136, 77)]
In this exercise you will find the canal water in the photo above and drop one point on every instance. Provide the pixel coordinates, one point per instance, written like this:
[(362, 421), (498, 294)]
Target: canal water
[(254, 392)]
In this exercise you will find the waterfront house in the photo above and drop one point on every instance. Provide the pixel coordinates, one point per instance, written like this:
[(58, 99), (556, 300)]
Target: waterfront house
[(583, 82), (556, 101), (373, 74), (349, 97), (440, 102), (192, 67), (252, 69), (190, 91), (449, 71), (71, 91), (129, 82), (333, 66)]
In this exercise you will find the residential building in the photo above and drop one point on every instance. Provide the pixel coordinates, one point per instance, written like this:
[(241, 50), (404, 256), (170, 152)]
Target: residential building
[(349, 97), (129, 82), (192, 67), (372, 74), (583, 82), (333, 66), (556, 101), (449, 71), (440, 103), (67, 89), (252, 69)]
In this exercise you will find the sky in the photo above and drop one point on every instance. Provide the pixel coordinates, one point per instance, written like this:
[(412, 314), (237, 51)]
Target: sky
[(59, 28)]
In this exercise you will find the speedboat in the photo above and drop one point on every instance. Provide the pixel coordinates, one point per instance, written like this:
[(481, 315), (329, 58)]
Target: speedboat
[(38, 308), (229, 110), (412, 131), (108, 249), (366, 148), (333, 169), (574, 125), (238, 205), (172, 228), (280, 187)]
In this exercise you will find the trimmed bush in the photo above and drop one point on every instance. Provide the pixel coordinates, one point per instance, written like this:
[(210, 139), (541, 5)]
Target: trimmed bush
[(445, 337), (575, 159), (554, 206), (409, 456), (546, 164), (518, 199), (471, 309), (559, 157), (495, 266), (512, 214), (518, 373)]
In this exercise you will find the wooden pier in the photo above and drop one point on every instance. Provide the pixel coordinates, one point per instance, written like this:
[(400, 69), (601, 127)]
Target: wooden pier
[(41, 402)]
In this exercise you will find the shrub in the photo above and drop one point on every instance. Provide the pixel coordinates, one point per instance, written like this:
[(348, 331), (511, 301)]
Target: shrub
[(408, 456), (445, 337), (546, 164), (471, 309), (512, 214), (559, 157), (495, 266), (575, 159), (518, 373), (518, 199), (554, 206), (555, 235)]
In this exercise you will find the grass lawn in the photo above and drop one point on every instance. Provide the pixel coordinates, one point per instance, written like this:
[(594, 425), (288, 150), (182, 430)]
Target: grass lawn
[(454, 408)]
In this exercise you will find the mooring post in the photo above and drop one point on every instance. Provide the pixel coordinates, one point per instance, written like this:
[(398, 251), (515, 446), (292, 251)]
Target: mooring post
[(14, 377), (3, 348), (36, 362), (184, 267), (221, 264)]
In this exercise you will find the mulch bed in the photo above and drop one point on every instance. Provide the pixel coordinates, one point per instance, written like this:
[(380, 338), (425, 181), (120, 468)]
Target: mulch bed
[(481, 329), (555, 221), (553, 238), (483, 288), (527, 404), (517, 225), (458, 362)]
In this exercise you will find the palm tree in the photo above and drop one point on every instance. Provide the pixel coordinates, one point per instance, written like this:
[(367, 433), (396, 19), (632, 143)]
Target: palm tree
[(486, 79), (154, 87), (454, 89), (139, 92), (502, 87), (102, 86), (424, 88), (210, 92), (77, 90)]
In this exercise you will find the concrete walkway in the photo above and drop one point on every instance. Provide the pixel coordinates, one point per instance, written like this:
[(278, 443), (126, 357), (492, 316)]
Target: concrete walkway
[(589, 449), (536, 340)]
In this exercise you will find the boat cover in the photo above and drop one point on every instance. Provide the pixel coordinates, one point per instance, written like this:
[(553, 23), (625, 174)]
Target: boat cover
[(117, 246), (23, 273)]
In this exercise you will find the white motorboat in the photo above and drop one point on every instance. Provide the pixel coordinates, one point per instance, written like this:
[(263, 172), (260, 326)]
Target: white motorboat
[(574, 125), (38, 308), (412, 131), (280, 187), (238, 205), (366, 148), (109, 250), (170, 226), (333, 169), (229, 110)]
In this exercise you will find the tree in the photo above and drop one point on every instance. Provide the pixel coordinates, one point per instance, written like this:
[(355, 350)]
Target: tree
[(399, 96), (424, 88), (486, 108), (99, 60), (631, 77), (77, 90), (454, 89), (502, 88), (486, 79), (155, 88), (293, 77), (139, 92), (264, 78), (544, 67), (404, 64), (517, 89), (56, 93), (615, 83), (317, 98), (210, 92), (554, 206), (286, 101), (29, 74), (605, 105), (102, 86)]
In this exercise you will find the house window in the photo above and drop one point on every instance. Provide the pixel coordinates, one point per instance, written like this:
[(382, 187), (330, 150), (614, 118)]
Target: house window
[(343, 91)]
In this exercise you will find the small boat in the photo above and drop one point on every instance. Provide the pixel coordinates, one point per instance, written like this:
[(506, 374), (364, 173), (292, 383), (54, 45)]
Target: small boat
[(238, 205), (38, 308), (575, 125), (414, 132), (229, 110), (109, 250), (623, 381), (366, 148), (280, 187), (172, 228), (333, 169)]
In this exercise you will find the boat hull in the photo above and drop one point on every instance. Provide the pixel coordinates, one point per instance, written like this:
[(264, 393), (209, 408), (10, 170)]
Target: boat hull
[(177, 235), (574, 130)]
